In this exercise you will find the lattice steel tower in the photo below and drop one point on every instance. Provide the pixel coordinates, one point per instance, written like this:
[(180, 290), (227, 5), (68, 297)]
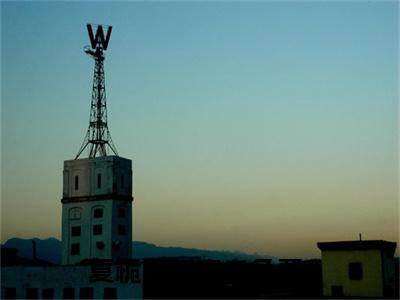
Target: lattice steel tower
[(98, 135)]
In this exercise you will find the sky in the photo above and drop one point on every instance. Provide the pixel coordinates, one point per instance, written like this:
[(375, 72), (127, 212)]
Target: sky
[(262, 127)]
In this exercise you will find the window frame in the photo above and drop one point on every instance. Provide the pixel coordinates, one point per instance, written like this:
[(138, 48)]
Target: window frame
[(75, 213), (100, 215), (10, 293), (97, 229), (122, 181), (76, 233), (337, 291), (110, 293), (76, 182), (75, 249), (48, 293), (99, 180), (121, 229), (68, 292), (32, 293), (86, 293), (355, 270), (121, 212)]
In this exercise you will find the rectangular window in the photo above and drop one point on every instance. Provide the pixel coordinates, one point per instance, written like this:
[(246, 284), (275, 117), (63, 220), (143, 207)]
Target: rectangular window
[(76, 231), (355, 271), (10, 293), (68, 293), (121, 229), (110, 293), (337, 291), (97, 229), (31, 293), (99, 181), (86, 293), (76, 183), (48, 293), (75, 249), (121, 212), (98, 213), (122, 181), (100, 245)]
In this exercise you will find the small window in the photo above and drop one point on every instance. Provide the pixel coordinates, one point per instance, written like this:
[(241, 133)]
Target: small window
[(86, 293), (99, 181), (121, 212), (121, 229), (76, 183), (100, 245), (98, 213), (69, 293), (122, 181), (97, 229), (75, 213), (10, 293), (117, 245), (76, 231), (355, 271), (337, 291), (110, 293), (31, 293), (75, 249), (48, 293)]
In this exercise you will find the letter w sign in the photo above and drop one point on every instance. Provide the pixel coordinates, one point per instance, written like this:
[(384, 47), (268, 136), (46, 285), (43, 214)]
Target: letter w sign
[(99, 40)]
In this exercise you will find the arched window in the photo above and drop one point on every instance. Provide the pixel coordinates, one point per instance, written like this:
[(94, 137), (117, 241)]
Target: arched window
[(75, 213)]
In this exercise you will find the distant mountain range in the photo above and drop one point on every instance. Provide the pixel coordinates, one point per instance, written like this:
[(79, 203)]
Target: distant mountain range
[(50, 250)]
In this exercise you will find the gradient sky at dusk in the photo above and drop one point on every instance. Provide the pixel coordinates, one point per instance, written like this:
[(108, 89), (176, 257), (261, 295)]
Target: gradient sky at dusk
[(260, 127)]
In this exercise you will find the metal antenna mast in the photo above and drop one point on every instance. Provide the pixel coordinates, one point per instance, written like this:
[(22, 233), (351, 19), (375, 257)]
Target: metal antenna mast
[(98, 136)]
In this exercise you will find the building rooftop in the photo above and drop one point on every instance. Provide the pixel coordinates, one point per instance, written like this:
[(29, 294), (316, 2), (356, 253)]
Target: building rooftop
[(359, 245), (9, 257)]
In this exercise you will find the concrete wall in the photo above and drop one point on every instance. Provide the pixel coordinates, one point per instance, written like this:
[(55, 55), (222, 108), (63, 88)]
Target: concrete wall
[(60, 277), (116, 176), (335, 272), (389, 275), (113, 194)]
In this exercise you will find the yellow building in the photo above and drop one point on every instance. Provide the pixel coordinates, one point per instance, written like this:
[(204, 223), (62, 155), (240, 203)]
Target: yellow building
[(358, 268)]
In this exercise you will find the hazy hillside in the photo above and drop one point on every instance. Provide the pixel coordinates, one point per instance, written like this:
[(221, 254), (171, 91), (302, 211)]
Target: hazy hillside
[(50, 250), (147, 250)]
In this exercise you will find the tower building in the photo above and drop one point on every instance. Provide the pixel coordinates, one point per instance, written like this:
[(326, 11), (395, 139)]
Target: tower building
[(97, 209), (97, 190), (96, 217)]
